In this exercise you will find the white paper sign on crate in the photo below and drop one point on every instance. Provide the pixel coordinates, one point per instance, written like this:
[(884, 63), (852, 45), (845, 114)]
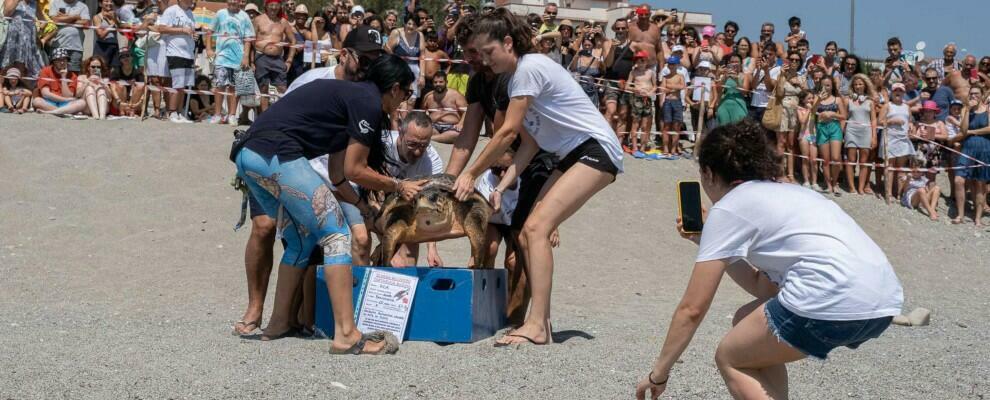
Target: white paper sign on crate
[(385, 301)]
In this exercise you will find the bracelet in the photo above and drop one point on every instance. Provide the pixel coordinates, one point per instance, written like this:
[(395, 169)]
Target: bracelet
[(398, 185), (649, 377)]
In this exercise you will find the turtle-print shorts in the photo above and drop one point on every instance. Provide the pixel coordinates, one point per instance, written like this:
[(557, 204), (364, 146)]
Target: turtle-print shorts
[(310, 215)]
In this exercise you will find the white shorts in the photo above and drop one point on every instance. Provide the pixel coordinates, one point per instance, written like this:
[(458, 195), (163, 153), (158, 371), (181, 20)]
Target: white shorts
[(183, 77)]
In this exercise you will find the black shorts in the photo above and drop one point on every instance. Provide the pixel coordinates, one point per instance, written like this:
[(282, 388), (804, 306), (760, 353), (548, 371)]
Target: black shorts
[(592, 154), (254, 206), (180, 63), (531, 181)]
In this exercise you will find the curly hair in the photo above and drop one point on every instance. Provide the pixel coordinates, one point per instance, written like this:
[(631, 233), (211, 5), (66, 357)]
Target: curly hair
[(104, 68), (868, 88), (740, 152)]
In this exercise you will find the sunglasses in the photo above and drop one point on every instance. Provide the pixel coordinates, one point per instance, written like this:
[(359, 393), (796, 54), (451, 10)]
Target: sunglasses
[(620, 29), (95, 66), (550, 13), (417, 145), (794, 60)]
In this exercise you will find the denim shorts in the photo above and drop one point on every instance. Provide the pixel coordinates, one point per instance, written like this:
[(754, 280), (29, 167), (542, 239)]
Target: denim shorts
[(816, 337), (673, 111)]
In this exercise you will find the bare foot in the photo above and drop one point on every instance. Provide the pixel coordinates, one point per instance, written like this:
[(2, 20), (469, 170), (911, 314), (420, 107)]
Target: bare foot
[(957, 220), (934, 217), (528, 333)]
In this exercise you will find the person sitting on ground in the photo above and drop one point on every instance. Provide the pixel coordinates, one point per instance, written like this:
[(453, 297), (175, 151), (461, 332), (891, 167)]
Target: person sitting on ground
[(642, 82), (16, 97), (127, 84), (819, 281), (673, 110), (94, 87), (57, 87), (446, 108), (921, 190), (231, 33), (201, 104)]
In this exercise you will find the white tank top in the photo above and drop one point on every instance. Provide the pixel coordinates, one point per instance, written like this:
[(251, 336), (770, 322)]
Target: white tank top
[(902, 112)]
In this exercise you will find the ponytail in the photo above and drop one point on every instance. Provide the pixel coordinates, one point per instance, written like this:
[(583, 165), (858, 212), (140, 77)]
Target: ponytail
[(501, 23)]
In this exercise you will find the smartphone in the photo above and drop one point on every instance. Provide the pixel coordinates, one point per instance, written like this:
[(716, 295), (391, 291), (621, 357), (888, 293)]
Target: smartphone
[(689, 205), (61, 10)]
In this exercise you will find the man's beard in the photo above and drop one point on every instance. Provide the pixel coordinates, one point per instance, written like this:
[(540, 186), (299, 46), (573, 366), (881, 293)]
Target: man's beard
[(440, 89)]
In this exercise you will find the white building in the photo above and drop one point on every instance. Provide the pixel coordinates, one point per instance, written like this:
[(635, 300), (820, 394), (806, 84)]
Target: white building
[(596, 10)]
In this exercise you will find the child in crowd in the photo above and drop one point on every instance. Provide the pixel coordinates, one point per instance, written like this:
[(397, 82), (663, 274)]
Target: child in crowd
[(806, 139), (796, 33), (643, 82), (953, 138), (920, 189), (15, 97), (673, 110), (201, 104)]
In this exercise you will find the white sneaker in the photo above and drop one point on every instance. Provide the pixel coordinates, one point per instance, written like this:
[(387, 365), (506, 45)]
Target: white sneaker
[(177, 118), (216, 119), (232, 120)]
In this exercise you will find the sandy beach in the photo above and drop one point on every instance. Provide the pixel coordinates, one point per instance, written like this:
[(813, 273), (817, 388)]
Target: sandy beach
[(122, 275)]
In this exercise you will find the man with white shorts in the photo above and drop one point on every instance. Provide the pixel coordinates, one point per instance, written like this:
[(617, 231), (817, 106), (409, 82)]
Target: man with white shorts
[(177, 26)]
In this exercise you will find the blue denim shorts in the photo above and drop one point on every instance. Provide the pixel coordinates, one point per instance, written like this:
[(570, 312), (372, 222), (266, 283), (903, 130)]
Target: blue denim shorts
[(816, 337), (673, 110)]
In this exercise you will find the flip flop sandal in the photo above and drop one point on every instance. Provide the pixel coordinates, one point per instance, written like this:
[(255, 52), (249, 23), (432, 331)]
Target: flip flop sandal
[(391, 344), (292, 332), (305, 332), (255, 324), (530, 341)]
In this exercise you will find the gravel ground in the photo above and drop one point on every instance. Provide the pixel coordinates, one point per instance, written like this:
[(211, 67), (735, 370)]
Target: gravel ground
[(122, 277)]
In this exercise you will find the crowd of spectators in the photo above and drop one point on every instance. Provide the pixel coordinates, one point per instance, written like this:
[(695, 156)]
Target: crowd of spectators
[(845, 125)]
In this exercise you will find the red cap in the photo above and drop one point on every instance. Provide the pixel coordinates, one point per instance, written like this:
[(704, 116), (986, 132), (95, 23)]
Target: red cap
[(641, 54), (643, 10)]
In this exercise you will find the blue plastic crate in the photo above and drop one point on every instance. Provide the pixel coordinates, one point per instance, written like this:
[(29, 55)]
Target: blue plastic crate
[(452, 305)]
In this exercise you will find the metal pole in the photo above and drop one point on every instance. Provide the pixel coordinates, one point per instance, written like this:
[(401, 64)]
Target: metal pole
[(852, 26)]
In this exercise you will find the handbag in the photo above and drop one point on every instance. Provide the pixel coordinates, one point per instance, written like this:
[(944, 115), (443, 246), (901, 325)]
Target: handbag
[(772, 116), (246, 88)]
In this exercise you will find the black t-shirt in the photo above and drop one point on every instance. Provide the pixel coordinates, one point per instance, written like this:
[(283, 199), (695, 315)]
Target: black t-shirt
[(493, 95), (117, 74), (319, 118), (622, 65)]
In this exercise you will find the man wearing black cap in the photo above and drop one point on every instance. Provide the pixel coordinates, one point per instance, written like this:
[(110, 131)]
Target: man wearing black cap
[(361, 46)]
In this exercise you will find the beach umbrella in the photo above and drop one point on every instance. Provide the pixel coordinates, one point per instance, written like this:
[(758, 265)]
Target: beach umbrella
[(204, 17)]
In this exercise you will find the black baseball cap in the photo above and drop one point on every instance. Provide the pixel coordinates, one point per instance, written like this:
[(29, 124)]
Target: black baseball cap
[(365, 40)]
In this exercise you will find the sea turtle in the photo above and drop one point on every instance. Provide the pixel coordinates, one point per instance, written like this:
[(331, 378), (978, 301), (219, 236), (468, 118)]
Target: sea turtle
[(433, 215)]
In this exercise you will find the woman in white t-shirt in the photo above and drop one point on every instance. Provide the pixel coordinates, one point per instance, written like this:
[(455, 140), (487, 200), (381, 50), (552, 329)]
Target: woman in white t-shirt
[(557, 116), (819, 281)]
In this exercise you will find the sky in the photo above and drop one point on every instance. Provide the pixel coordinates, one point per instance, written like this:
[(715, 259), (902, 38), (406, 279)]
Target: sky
[(876, 21)]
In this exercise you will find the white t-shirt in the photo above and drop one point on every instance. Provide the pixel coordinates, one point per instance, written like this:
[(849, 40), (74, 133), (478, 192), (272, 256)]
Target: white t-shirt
[(312, 75), (761, 96), (178, 45), (486, 184), (826, 266), (561, 116), (701, 85), (429, 164)]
